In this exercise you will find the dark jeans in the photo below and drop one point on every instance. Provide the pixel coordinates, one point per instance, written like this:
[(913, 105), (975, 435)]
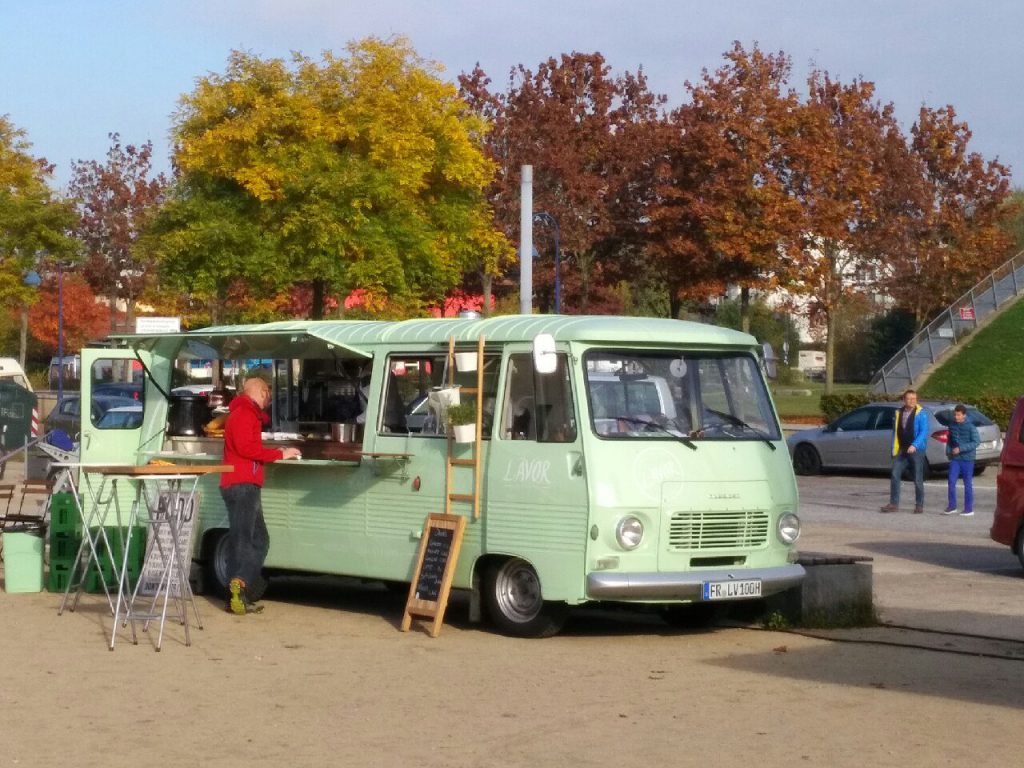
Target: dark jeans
[(248, 540), (900, 462)]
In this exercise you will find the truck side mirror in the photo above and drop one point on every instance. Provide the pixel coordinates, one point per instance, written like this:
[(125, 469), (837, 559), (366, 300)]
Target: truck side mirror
[(544, 359)]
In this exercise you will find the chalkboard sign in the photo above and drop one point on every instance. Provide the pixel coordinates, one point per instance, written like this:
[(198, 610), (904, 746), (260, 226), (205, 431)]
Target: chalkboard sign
[(435, 566)]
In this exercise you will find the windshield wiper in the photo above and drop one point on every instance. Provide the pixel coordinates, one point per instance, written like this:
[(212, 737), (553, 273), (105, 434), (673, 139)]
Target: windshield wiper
[(682, 438), (738, 422)]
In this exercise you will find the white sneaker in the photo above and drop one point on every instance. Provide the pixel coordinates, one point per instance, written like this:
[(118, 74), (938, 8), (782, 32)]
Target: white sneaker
[(967, 514)]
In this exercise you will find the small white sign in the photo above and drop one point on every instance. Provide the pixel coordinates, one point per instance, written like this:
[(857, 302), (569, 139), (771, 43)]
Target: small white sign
[(945, 333), (157, 324)]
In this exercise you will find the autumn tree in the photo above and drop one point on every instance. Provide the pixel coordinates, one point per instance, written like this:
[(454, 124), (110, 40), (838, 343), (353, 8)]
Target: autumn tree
[(84, 319), (846, 157), (34, 224), (358, 172), (957, 234), (115, 200), (582, 130), (724, 212)]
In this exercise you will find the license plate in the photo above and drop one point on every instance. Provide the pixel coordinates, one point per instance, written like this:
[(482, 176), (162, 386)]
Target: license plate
[(732, 590)]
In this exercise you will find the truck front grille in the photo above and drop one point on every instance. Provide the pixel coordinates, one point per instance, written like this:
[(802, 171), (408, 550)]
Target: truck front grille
[(735, 529)]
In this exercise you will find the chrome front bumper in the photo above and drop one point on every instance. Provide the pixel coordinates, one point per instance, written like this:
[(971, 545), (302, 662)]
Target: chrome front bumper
[(609, 585)]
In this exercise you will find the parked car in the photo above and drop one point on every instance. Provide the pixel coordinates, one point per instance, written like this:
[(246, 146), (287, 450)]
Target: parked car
[(1008, 522), (118, 389), (862, 439), (121, 417), (67, 414)]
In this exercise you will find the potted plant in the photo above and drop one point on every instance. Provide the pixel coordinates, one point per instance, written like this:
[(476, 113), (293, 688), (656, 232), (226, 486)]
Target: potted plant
[(462, 420)]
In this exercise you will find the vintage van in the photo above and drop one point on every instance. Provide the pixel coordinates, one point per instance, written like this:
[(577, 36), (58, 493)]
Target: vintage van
[(621, 460)]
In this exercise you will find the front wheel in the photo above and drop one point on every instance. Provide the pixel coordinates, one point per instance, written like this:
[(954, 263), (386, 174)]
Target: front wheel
[(806, 460), (515, 603), (215, 567)]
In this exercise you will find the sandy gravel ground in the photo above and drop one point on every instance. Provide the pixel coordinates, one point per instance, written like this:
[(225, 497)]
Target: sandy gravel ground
[(324, 677)]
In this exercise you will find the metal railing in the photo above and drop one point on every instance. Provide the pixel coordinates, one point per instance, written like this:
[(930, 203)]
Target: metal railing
[(960, 319)]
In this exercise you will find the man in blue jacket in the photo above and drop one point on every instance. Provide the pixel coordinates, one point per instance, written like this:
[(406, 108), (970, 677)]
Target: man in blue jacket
[(909, 438)]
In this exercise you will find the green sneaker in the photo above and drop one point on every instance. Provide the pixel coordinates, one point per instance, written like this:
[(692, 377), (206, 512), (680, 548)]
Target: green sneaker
[(238, 603)]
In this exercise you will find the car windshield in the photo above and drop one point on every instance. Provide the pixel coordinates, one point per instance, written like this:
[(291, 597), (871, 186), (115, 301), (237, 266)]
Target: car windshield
[(665, 395)]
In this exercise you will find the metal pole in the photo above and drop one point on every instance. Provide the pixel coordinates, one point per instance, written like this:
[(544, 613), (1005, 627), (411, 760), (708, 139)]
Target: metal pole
[(526, 241), (60, 333)]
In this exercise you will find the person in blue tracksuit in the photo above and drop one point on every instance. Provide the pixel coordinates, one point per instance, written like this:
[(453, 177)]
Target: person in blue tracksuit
[(961, 448), (909, 439)]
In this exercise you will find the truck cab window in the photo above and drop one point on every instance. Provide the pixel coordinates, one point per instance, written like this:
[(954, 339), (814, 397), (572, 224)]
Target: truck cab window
[(538, 407)]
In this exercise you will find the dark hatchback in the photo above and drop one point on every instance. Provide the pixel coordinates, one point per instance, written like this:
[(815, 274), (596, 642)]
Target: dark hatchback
[(67, 415)]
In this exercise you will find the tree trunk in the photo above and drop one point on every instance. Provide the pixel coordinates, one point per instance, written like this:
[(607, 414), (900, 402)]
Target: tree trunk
[(485, 307), (745, 309), (319, 292), (830, 349), (675, 305)]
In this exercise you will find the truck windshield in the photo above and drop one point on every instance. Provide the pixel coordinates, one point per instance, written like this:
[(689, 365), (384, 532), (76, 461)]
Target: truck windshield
[(692, 395)]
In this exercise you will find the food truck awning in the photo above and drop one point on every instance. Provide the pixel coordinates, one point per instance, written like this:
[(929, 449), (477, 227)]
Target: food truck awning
[(246, 343)]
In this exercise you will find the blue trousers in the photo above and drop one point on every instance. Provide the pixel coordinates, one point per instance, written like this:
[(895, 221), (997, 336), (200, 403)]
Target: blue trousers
[(900, 462), (248, 539), (958, 467)]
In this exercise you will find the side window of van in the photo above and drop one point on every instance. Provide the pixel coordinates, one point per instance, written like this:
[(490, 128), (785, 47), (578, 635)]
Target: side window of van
[(538, 406), (411, 379)]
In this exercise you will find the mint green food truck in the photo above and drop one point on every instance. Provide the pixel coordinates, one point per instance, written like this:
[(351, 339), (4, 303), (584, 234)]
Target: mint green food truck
[(619, 459)]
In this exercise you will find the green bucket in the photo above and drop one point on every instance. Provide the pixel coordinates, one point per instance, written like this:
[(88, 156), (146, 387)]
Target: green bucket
[(23, 560)]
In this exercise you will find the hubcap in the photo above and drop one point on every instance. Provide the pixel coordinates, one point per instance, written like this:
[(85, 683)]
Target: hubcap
[(517, 591)]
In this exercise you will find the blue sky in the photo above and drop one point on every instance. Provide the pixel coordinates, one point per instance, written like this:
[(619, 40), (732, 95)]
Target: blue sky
[(72, 72)]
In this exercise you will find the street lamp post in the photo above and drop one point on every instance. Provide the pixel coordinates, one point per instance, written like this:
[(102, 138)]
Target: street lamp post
[(60, 332), (32, 280), (546, 218)]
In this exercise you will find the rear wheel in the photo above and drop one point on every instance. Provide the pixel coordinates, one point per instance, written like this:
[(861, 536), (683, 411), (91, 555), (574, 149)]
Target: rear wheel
[(512, 594), (806, 460), (1018, 546), (979, 469), (215, 567)]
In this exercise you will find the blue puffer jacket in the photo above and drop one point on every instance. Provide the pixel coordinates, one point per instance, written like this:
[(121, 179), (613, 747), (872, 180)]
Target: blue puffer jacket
[(964, 436)]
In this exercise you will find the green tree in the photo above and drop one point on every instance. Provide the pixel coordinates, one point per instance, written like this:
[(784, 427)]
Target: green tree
[(34, 224), (358, 172)]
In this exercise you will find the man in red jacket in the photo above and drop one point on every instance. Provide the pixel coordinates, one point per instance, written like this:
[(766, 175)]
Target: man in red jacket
[(248, 540)]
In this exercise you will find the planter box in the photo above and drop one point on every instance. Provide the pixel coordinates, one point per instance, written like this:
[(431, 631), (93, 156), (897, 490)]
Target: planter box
[(465, 361)]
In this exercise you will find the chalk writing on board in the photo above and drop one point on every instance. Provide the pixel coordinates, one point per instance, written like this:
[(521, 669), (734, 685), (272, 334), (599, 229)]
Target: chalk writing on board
[(435, 557)]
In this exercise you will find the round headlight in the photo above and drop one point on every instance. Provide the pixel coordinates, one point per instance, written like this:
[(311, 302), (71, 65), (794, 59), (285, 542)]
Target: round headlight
[(789, 528), (629, 533)]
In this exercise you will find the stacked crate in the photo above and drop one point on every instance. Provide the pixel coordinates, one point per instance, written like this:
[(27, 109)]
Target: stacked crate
[(66, 538)]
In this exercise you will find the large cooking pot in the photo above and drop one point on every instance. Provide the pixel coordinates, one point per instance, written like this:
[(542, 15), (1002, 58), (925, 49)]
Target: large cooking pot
[(186, 415), (345, 432)]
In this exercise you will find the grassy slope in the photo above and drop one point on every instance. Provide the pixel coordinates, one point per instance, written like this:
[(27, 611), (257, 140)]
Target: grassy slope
[(991, 362)]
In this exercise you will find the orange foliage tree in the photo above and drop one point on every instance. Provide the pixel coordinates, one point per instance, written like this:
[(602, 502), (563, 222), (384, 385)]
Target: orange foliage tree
[(84, 319)]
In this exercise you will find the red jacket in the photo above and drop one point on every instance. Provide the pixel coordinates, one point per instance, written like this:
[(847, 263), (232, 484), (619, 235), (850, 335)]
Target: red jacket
[(243, 446)]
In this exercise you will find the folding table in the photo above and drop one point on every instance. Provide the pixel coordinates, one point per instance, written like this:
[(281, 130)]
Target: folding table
[(166, 495)]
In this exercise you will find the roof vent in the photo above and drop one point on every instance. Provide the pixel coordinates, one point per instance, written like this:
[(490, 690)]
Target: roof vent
[(469, 314)]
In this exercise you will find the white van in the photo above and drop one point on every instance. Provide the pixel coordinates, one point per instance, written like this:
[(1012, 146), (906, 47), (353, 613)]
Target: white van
[(11, 370)]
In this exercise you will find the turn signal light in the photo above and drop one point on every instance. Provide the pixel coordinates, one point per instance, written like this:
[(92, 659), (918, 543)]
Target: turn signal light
[(942, 435)]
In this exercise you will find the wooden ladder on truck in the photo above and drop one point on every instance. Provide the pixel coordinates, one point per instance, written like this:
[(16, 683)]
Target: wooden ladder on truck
[(473, 462)]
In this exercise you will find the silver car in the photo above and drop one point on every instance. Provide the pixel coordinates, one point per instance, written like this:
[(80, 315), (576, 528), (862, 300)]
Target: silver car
[(862, 439)]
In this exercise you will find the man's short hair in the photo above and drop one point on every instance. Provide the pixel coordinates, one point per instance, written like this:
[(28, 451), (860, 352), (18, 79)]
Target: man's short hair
[(961, 408), (908, 392)]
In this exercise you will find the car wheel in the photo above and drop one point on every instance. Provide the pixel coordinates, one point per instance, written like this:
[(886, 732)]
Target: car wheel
[(1018, 546), (979, 469), (512, 594), (215, 567), (806, 460)]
